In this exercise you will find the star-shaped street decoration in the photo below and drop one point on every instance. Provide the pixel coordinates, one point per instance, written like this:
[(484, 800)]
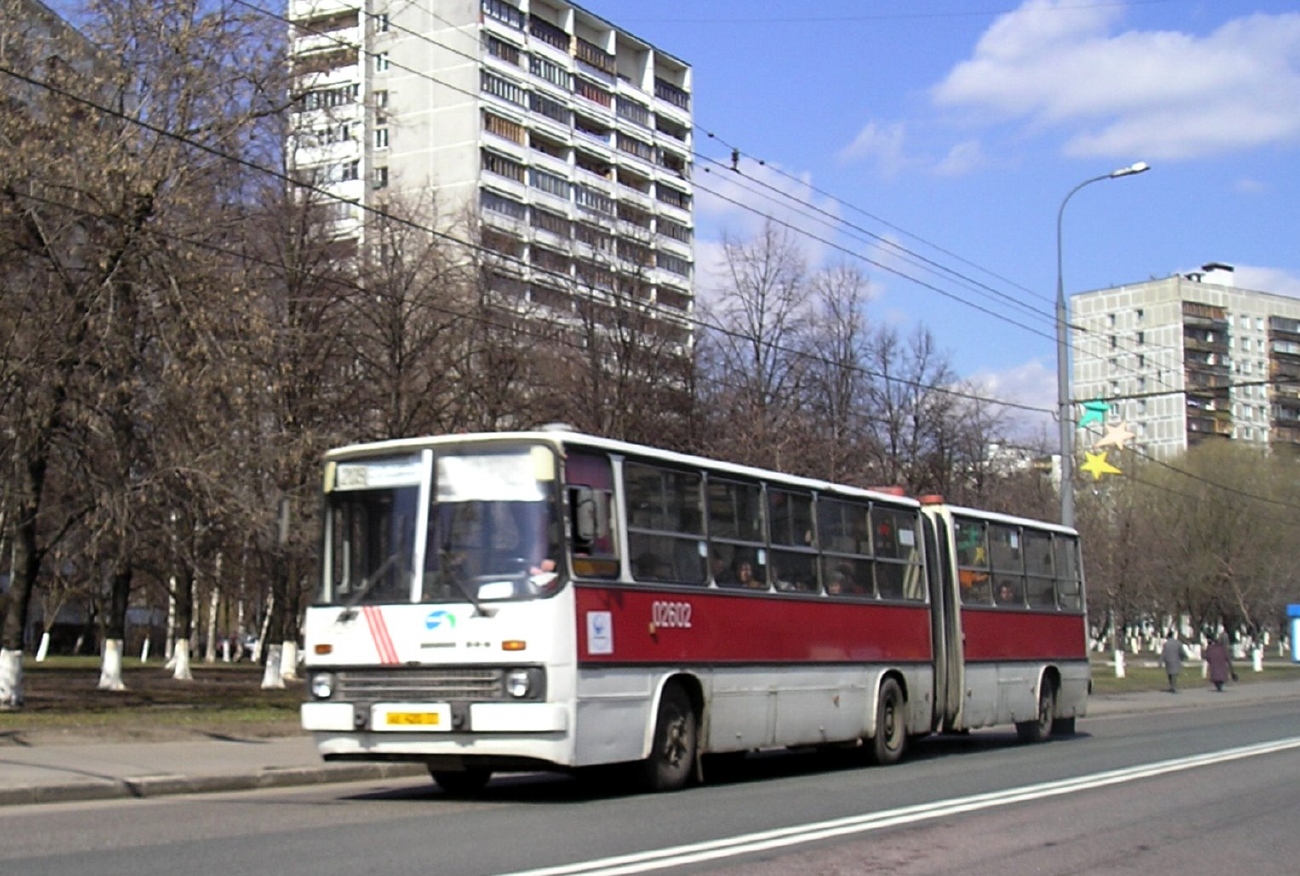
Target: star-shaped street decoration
[(1094, 412), (1115, 436), (1098, 466)]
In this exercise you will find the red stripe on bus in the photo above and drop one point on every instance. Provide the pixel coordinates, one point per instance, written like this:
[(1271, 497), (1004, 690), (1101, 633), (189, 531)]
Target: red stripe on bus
[(719, 626), (379, 634), (999, 634)]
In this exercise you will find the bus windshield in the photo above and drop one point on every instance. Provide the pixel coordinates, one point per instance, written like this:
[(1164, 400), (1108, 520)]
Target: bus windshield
[(490, 533)]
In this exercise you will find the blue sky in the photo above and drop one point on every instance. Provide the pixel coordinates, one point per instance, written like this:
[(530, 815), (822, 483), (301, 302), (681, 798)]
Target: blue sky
[(955, 128)]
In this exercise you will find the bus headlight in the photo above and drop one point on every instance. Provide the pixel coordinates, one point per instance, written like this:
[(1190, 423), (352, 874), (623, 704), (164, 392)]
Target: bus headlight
[(322, 685), (519, 683)]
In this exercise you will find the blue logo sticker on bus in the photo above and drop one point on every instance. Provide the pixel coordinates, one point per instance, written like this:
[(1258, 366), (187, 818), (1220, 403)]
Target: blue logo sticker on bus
[(436, 619)]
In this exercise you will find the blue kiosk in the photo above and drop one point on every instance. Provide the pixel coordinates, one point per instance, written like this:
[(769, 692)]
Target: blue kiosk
[(1293, 615)]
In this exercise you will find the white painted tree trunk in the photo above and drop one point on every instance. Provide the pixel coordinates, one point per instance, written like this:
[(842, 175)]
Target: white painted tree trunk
[(271, 677), (181, 659), (170, 643), (44, 648), (214, 600), (144, 651), (110, 667), (289, 661), (11, 679), (266, 625)]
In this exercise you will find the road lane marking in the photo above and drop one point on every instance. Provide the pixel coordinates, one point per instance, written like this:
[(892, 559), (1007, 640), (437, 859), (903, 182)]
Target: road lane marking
[(695, 853)]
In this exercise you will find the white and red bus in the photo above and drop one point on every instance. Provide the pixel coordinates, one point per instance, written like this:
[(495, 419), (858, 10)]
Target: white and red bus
[(552, 600)]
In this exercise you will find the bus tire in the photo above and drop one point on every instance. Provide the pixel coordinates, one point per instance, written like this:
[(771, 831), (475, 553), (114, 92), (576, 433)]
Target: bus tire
[(890, 741), (1063, 727), (675, 745), (461, 783), (1041, 727)]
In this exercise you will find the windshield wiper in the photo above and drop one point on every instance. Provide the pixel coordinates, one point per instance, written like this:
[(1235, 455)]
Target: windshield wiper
[(452, 572), (349, 607)]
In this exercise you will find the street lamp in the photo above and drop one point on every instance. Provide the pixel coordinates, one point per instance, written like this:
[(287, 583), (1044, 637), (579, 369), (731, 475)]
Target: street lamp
[(1063, 352)]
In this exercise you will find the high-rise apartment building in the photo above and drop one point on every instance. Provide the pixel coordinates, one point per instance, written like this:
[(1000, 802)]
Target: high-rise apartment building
[(1190, 358), (567, 140)]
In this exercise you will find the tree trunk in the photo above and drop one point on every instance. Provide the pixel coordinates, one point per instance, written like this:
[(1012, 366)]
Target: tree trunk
[(214, 602), (271, 677), (110, 667), (181, 660), (44, 648), (289, 660), (11, 679)]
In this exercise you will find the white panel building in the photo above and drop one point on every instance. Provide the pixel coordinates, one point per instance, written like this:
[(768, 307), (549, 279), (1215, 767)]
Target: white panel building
[(1190, 358), (567, 139)]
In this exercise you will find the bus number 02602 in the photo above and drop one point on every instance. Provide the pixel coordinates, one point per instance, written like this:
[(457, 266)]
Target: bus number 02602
[(671, 614)]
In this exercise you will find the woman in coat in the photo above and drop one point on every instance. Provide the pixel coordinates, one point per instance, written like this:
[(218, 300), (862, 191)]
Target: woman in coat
[(1216, 655)]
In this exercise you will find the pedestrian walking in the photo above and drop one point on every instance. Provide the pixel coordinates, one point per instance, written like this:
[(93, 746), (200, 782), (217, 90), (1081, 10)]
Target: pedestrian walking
[(1171, 657), (1220, 662)]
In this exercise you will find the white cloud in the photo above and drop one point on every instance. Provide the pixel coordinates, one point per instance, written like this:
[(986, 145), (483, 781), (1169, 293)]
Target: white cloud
[(1274, 280), (1031, 384), (961, 159), (1157, 94), (881, 144)]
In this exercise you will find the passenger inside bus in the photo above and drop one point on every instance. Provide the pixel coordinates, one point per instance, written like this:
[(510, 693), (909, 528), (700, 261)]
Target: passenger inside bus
[(746, 577), (722, 574)]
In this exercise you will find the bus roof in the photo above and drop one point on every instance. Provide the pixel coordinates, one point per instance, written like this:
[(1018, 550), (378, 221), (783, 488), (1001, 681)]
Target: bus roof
[(995, 517), (562, 438)]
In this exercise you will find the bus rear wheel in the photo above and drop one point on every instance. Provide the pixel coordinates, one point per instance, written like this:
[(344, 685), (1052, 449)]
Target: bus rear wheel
[(675, 745), (1041, 727), (890, 741), (461, 783)]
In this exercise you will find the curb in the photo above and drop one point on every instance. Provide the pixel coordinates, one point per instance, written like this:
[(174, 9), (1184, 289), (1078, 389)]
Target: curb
[(141, 787)]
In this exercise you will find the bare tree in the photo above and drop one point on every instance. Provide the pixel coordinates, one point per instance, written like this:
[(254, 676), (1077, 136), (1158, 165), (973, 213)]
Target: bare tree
[(752, 363)]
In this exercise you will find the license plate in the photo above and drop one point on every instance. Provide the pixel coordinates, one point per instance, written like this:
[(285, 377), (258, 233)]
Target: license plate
[(414, 719)]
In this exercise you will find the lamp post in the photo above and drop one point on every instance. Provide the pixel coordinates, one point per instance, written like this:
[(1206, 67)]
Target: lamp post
[(1063, 351)]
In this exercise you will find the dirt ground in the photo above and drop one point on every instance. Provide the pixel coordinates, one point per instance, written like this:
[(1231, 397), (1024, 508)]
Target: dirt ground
[(63, 704)]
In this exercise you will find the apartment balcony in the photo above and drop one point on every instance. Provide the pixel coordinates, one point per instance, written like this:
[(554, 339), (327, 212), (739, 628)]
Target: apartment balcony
[(1288, 434), (1206, 343), (305, 11), (1203, 425)]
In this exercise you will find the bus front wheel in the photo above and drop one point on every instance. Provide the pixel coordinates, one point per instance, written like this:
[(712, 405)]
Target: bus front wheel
[(675, 745), (890, 741)]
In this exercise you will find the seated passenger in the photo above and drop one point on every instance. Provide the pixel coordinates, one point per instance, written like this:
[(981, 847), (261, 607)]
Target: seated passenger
[(745, 577)]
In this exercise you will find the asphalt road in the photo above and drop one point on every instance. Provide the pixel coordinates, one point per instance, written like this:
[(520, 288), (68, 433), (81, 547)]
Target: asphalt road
[(1178, 791)]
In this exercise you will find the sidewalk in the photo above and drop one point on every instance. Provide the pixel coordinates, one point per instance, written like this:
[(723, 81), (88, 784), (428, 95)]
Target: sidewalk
[(57, 773)]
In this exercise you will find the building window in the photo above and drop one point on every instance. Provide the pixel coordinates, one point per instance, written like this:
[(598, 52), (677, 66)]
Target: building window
[(503, 166), (381, 62), (381, 23), (351, 170), (552, 73), (503, 88), (381, 138), (490, 200), (1141, 337), (499, 48), (379, 178), (673, 265), (503, 12), (550, 183), (1139, 314)]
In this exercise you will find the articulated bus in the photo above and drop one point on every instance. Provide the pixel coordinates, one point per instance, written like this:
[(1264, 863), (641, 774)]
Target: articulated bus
[(549, 600)]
